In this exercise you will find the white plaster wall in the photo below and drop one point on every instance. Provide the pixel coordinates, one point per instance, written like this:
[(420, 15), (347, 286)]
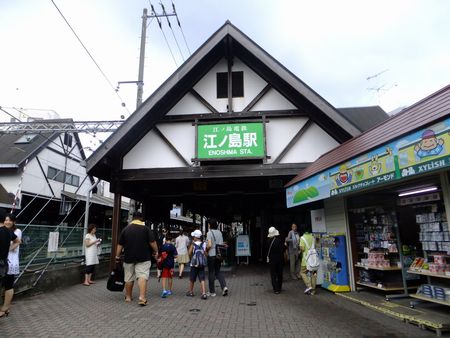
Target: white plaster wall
[(188, 105), (182, 137), (279, 132), (34, 180), (207, 86), (151, 152), (313, 143), (10, 182), (273, 100)]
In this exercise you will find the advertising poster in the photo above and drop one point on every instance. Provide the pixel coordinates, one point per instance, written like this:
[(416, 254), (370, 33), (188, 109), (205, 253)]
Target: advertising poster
[(243, 246), (417, 153), (318, 221)]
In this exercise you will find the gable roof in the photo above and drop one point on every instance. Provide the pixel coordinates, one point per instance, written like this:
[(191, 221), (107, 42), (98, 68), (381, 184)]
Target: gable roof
[(428, 110), (364, 117), (13, 155), (228, 41)]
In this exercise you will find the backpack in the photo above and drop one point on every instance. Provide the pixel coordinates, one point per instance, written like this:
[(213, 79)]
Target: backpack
[(312, 257), (199, 257), (160, 260)]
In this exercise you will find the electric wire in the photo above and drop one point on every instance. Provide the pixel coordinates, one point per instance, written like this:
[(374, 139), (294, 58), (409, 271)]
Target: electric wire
[(181, 29), (170, 26), (90, 55), (165, 38)]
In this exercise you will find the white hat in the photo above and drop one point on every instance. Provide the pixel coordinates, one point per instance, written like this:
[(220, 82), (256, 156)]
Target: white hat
[(196, 234), (273, 232)]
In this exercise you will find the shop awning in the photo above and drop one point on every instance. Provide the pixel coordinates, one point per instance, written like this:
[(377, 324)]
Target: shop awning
[(415, 141), (96, 199)]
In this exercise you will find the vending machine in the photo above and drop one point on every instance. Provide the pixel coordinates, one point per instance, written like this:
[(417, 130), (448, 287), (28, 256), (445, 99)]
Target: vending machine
[(334, 262)]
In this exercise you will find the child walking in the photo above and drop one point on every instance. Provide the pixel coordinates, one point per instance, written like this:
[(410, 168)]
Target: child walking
[(166, 263), (197, 251)]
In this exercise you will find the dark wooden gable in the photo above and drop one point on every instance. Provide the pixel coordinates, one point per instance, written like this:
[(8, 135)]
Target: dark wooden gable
[(227, 42)]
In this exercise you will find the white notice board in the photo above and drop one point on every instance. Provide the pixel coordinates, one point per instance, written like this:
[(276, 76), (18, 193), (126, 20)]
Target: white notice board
[(53, 240), (318, 221), (243, 246)]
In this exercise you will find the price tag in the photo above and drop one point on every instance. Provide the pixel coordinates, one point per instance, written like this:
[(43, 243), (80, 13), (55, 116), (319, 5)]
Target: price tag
[(366, 250)]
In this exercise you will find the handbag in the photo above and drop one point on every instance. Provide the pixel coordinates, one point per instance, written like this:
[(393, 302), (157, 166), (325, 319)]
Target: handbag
[(221, 249), (116, 280)]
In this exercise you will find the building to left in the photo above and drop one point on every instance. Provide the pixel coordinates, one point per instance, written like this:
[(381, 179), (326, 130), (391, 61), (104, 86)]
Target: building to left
[(44, 182)]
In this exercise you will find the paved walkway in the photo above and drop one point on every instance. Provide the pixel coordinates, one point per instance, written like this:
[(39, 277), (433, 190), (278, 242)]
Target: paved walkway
[(250, 310)]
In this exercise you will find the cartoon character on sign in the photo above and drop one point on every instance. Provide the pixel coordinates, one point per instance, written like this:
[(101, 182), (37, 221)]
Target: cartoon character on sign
[(430, 145), (375, 166), (344, 176)]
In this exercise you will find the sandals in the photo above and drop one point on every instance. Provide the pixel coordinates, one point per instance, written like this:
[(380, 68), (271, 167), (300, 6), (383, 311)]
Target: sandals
[(5, 313), (190, 294), (128, 300), (142, 302)]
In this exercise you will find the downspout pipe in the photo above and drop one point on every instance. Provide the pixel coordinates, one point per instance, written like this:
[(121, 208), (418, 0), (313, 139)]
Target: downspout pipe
[(86, 212)]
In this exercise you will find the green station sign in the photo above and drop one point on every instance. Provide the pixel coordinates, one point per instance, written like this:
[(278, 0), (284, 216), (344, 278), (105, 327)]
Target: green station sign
[(230, 141)]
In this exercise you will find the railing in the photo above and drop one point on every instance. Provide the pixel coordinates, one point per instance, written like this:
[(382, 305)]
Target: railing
[(34, 240)]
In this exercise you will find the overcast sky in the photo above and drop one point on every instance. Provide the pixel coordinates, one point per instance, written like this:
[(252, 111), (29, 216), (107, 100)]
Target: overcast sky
[(333, 46)]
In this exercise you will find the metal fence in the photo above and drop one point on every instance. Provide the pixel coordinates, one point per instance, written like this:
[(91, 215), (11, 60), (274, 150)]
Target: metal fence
[(70, 244)]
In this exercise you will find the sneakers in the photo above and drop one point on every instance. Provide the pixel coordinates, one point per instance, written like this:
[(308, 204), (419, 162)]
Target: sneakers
[(164, 294), (307, 291), (225, 291), (169, 293), (204, 296), (209, 294)]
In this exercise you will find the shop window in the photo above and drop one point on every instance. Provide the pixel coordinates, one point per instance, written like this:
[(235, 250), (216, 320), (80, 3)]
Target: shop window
[(237, 89)]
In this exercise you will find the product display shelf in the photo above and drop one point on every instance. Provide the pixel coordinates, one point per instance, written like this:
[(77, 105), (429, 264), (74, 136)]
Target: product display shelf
[(427, 273), (380, 268), (392, 288), (428, 299)]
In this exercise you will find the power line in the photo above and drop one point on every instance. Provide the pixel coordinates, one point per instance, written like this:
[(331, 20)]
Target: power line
[(92, 58), (170, 26), (160, 26), (181, 29)]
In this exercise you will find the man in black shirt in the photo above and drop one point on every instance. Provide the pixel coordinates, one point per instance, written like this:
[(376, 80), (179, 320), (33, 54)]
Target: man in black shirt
[(137, 242)]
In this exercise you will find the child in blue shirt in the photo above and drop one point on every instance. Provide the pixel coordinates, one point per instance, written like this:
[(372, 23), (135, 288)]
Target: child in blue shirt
[(166, 262)]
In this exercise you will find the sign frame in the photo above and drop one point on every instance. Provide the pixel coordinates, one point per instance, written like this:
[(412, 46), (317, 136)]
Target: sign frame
[(261, 122)]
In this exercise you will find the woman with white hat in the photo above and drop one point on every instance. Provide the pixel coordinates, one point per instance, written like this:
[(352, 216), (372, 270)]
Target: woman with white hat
[(275, 259)]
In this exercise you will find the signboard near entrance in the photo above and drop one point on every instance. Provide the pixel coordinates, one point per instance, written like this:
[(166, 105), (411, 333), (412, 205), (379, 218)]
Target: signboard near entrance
[(417, 153), (243, 246), (230, 141)]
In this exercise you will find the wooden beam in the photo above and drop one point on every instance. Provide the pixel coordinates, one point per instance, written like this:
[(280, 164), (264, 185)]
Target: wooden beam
[(257, 98), (293, 141), (229, 57), (201, 99), (171, 146), (234, 115), (115, 228)]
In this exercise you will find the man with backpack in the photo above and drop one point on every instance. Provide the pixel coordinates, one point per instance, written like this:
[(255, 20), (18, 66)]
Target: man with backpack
[(310, 262), (197, 251)]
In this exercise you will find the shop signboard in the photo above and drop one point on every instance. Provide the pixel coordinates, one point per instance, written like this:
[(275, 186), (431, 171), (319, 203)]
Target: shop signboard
[(417, 153), (230, 141), (243, 246)]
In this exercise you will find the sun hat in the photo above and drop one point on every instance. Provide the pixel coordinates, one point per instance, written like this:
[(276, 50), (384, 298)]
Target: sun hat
[(273, 232), (196, 234)]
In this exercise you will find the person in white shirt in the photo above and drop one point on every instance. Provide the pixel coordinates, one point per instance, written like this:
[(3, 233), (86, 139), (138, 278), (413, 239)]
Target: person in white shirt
[(91, 253), (182, 243)]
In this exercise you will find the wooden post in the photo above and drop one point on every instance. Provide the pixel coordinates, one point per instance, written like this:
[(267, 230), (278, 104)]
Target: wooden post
[(115, 228)]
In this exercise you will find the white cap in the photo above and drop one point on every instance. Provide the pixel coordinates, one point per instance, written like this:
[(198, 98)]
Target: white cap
[(196, 234)]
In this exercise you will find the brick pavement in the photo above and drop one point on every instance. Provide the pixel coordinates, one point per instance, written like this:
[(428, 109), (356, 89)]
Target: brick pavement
[(251, 310)]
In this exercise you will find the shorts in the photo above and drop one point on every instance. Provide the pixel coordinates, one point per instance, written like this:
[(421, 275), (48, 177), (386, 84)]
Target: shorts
[(183, 259), (167, 273), (200, 272), (8, 282), (89, 269), (135, 271)]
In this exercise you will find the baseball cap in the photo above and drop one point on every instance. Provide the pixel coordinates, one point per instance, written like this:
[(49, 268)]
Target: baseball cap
[(196, 234)]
